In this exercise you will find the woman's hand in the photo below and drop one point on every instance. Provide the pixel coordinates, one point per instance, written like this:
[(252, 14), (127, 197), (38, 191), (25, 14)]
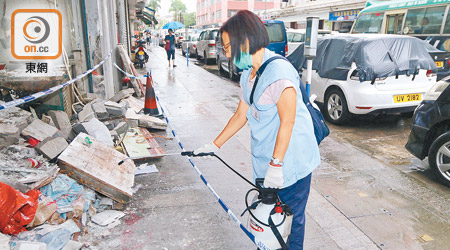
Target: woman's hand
[(274, 176)]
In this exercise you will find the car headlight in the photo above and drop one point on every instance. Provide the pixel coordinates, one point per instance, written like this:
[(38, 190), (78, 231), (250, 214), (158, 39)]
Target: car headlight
[(435, 91)]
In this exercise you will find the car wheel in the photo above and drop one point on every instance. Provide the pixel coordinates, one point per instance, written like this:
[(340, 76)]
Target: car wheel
[(183, 52), (197, 55), (439, 158), (336, 109)]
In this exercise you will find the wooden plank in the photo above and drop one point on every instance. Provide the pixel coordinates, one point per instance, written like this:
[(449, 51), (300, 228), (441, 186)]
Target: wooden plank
[(96, 166), (141, 85), (127, 62), (138, 142)]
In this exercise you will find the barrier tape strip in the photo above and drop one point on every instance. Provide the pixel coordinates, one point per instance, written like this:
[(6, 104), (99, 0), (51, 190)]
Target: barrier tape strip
[(130, 75), (258, 243), (38, 95)]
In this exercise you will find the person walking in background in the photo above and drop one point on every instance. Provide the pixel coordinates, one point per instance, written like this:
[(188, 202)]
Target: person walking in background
[(284, 148), (170, 47)]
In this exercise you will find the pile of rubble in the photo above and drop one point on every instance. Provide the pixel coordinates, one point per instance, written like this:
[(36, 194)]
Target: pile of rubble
[(60, 178)]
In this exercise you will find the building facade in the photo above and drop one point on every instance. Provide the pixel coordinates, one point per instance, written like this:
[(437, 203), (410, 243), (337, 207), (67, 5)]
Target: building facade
[(337, 15), (216, 12)]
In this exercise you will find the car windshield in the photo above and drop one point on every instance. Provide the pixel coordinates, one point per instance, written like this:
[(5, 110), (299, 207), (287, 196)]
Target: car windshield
[(368, 23), (276, 32)]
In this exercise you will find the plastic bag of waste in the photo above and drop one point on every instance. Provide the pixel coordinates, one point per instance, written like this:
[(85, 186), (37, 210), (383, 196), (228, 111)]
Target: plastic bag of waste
[(16, 209), (46, 208)]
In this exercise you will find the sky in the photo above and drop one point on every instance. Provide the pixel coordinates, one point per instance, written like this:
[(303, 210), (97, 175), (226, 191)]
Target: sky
[(191, 6)]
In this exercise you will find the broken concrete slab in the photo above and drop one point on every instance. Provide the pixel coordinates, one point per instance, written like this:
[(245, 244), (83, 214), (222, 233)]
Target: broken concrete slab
[(136, 104), (132, 118), (100, 110), (87, 113), (79, 128), (121, 127), (116, 109), (39, 130), (97, 166), (52, 147), (62, 122), (107, 217), (9, 134), (147, 121), (99, 131), (16, 116), (125, 93), (109, 124)]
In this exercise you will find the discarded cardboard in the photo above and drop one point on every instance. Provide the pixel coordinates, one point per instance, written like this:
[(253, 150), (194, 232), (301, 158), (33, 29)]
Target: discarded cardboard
[(96, 166), (39, 130), (138, 142)]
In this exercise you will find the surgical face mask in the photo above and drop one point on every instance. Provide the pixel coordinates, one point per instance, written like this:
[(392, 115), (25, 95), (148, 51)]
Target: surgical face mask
[(245, 62)]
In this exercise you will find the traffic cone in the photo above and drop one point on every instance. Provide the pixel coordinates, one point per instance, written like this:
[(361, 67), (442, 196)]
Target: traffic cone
[(150, 106)]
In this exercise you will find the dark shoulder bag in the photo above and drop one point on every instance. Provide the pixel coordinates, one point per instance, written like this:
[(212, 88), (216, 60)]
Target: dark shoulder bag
[(321, 129)]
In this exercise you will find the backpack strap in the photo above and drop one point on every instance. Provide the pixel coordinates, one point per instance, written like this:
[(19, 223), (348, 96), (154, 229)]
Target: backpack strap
[(260, 71)]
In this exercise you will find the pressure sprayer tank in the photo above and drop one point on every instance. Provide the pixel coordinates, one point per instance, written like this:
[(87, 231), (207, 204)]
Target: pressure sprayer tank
[(264, 233)]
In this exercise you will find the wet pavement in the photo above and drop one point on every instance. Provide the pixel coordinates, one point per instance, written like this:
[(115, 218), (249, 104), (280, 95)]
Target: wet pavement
[(368, 193)]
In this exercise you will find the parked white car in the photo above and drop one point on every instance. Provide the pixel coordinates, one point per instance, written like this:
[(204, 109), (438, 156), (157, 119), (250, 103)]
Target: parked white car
[(368, 74), (190, 42), (206, 45), (340, 98)]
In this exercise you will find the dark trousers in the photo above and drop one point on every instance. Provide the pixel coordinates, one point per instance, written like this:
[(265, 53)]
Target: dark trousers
[(170, 52), (296, 196)]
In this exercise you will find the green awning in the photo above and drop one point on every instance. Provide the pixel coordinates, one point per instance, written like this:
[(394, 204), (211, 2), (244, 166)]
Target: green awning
[(146, 20), (149, 16)]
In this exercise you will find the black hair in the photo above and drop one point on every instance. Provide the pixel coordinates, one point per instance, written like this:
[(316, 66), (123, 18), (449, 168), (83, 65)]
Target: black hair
[(170, 30), (242, 26)]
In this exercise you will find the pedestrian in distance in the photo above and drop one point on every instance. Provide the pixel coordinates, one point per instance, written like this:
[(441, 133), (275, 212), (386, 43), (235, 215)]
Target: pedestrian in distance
[(170, 47), (284, 148)]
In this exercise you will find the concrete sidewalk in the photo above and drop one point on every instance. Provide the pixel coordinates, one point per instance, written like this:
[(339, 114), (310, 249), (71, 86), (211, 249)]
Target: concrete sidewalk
[(198, 105)]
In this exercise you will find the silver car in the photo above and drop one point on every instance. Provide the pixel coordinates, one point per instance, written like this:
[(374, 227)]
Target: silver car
[(190, 42), (206, 45)]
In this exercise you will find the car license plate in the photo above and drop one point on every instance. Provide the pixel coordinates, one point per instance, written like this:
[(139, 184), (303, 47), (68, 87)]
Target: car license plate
[(407, 98), (439, 64)]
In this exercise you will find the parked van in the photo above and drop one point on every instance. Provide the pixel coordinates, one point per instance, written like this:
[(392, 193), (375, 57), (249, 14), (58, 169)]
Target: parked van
[(278, 44)]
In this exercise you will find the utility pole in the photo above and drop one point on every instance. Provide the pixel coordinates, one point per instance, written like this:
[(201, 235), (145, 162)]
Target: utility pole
[(265, 9)]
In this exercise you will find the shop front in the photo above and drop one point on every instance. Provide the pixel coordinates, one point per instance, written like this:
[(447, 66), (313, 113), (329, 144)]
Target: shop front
[(342, 21)]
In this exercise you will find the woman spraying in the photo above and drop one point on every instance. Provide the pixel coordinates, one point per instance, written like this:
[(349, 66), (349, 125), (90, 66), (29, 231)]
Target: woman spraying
[(284, 147)]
